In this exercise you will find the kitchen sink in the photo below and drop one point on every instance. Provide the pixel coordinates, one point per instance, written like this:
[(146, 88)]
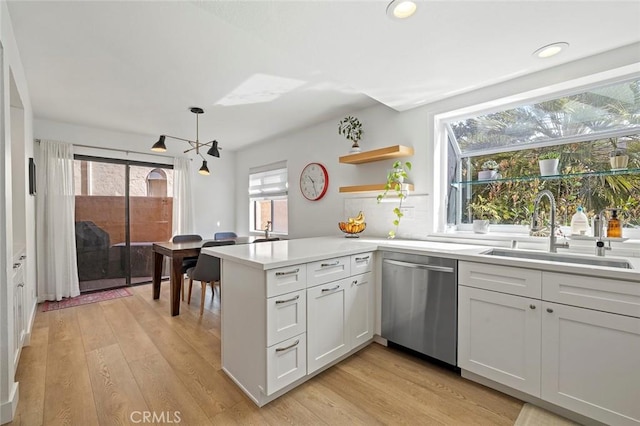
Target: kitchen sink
[(559, 257)]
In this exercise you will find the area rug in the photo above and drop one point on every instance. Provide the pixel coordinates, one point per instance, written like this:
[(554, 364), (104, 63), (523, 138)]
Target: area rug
[(530, 415), (85, 299)]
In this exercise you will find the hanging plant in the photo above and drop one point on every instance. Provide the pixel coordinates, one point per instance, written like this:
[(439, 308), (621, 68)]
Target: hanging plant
[(351, 128), (395, 181)]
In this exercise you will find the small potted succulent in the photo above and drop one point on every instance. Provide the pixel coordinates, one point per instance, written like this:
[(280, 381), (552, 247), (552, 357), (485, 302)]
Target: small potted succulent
[(618, 158), (548, 163), (351, 128), (489, 170)]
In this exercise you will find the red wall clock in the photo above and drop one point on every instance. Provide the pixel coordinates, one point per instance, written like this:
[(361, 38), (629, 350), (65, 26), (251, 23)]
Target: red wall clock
[(314, 181)]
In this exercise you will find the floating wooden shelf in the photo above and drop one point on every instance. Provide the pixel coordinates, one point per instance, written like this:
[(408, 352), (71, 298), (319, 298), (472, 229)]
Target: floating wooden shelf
[(369, 188), (386, 153)]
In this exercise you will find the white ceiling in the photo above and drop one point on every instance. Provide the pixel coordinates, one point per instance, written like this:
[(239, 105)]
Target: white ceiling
[(264, 68)]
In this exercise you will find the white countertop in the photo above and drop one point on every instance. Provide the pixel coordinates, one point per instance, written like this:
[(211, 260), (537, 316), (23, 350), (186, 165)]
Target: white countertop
[(276, 254)]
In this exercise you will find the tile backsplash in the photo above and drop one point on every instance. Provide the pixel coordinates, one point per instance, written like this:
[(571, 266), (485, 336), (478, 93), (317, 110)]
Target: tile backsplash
[(379, 216)]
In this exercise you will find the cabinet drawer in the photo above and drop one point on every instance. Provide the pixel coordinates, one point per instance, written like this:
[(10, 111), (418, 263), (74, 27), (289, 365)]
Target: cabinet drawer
[(286, 316), (327, 270), (361, 263), (505, 279), (286, 279), (286, 363), (616, 296)]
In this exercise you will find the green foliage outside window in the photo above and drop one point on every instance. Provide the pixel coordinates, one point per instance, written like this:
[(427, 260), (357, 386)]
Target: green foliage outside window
[(511, 200)]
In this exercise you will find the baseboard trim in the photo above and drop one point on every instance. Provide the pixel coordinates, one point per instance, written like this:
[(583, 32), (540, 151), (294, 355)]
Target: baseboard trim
[(32, 318), (8, 407)]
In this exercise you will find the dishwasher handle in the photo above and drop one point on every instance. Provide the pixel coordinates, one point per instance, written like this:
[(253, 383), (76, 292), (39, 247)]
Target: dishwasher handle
[(419, 266)]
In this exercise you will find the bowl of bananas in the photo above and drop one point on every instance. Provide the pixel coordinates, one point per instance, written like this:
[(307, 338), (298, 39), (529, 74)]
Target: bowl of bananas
[(353, 226)]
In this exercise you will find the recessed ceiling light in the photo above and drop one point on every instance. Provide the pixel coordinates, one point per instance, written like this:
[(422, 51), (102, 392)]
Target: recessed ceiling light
[(550, 49), (401, 9)]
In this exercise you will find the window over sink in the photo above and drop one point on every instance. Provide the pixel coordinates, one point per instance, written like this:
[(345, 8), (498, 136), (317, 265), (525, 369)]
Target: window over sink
[(583, 128), (268, 198)]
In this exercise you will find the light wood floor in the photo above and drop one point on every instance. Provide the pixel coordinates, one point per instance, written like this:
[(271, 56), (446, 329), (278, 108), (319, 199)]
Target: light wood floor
[(106, 362)]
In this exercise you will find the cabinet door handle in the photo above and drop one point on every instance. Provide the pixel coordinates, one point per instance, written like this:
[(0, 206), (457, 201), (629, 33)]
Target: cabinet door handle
[(16, 265), (280, 274), (362, 259), (532, 306), (324, 265), (549, 310), (354, 282), (288, 347), (23, 257), (21, 285), (324, 290), (288, 300)]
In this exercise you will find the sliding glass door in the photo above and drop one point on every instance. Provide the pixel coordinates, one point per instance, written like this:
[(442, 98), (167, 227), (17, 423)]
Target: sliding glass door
[(122, 207)]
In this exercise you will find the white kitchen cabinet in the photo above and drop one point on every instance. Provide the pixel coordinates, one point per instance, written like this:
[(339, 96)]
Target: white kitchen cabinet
[(286, 316), (286, 363), (591, 363), (361, 304), (327, 325), (499, 337), (18, 309), (281, 325), (328, 270), (587, 360)]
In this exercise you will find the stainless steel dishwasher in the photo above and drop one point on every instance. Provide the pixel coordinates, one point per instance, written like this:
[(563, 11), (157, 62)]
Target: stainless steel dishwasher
[(419, 304)]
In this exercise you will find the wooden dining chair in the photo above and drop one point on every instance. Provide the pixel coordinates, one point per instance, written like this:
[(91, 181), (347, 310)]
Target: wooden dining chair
[(187, 262), (207, 270), (224, 235)]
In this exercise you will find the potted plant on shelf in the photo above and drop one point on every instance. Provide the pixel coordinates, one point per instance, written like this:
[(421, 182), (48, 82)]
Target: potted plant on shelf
[(548, 163), (351, 128), (618, 158), (489, 170), (395, 183), (484, 212)]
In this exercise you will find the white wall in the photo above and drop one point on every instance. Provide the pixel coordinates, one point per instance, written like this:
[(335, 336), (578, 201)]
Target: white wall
[(383, 127), (213, 194), (11, 63), (322, 144)]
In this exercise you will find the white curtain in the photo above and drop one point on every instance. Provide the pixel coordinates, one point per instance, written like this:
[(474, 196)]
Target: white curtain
[(183, 217), (56, 248)]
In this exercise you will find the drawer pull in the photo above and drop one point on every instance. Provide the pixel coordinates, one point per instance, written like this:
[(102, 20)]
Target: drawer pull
[(20, 285), (16, 265), (288, 300), (362, 259), (23, 257), (532, 306), (288, 347), (324, 290), (550, 310), (324, 265), (280, 274)]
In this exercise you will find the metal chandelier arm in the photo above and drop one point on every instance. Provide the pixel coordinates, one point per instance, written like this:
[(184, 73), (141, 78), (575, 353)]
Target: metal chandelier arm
[(180, 139)]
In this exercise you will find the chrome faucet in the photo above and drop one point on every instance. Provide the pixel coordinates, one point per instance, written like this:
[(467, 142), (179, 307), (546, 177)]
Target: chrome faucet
[(266, 229), (599, 233), (553, 244)]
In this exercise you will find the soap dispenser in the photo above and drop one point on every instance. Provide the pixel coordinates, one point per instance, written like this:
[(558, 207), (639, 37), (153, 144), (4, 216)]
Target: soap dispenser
[(614, 230)]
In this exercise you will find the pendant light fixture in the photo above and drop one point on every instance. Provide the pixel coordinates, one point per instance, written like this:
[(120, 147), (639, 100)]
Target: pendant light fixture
[(195, 145)]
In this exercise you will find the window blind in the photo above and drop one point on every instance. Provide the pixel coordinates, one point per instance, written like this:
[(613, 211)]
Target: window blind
[(269, 180)]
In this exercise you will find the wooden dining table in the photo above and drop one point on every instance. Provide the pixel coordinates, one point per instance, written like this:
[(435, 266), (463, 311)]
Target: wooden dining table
[(176, 253)]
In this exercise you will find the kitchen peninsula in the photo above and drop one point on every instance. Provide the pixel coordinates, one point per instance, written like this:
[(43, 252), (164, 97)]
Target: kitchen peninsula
[(291, 309)]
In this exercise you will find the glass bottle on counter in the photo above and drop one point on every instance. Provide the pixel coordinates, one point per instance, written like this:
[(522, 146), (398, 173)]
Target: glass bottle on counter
[(614, 230)]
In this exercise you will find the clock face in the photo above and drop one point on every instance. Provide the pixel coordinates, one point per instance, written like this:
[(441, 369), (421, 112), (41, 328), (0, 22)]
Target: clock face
[(314, 181)]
